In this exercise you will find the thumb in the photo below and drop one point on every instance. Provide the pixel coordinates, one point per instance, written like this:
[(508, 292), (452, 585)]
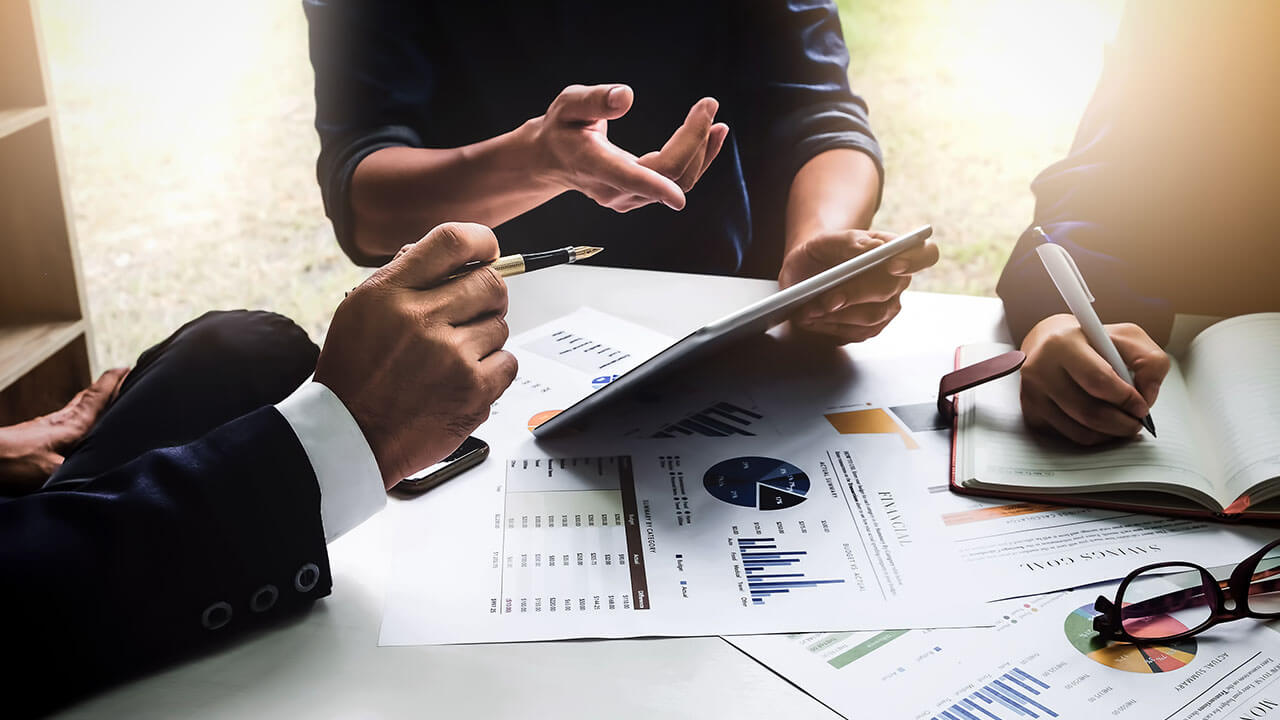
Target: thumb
[(588, 103), (1149, 363), (441, 253)]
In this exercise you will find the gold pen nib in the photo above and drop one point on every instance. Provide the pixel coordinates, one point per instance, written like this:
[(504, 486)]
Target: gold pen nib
[(582, 252)]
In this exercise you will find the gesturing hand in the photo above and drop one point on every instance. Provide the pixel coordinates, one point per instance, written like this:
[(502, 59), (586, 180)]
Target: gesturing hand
[(863, 306), (576, 152), (416, 357), (31, 451), (1068, 388)]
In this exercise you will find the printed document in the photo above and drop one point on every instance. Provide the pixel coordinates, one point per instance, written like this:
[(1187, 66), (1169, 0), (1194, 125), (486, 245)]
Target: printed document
[(1041, 660), (686, 530)]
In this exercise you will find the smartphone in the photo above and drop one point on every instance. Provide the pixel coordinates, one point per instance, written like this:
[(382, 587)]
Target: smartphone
[(470, 453)]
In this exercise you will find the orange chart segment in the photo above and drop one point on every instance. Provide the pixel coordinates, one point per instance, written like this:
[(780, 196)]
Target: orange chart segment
[(541, 417), (872, 421), (994, 512)]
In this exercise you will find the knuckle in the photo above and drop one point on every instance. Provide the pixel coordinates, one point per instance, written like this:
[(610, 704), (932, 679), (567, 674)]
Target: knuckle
[(488, 284), (448, 238), (504, 330)]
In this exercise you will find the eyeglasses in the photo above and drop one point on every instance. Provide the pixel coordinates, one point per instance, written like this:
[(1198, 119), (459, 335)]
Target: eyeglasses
[(1146, 610)]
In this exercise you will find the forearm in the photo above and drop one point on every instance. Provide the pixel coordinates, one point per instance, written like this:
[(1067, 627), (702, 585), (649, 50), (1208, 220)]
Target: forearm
[(399, 193), (835, 190)]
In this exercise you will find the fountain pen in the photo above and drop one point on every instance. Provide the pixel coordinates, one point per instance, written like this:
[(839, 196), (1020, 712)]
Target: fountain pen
[(509, 265)]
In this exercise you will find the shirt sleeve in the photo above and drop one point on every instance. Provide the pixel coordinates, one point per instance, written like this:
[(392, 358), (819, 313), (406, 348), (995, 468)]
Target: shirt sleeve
[(798, 65), (351, 488), (1083, 204), (371, 92)]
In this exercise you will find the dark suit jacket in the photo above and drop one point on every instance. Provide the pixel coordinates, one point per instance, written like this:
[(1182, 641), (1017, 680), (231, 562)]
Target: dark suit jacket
[(175, 551), (1168, 200)]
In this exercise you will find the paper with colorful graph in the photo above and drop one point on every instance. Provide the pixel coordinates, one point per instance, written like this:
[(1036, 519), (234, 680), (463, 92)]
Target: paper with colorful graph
[(1042, 659)]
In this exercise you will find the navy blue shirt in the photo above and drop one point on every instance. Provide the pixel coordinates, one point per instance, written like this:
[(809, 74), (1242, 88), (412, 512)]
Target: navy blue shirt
[(446, 74), (1168, 199)]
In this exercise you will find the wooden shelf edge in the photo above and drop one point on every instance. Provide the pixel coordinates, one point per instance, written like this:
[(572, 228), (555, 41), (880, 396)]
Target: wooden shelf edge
[(23, 347), (12, 120)]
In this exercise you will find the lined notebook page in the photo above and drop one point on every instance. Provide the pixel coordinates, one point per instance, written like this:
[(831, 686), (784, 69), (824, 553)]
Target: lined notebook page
[(1233, 370), (998, 449)]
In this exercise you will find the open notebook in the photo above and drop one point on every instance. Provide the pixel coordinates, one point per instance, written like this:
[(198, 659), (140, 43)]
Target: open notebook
[(1218, 453)]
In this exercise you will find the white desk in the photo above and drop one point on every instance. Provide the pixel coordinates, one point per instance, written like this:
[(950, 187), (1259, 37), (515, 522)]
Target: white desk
[(328, 663)]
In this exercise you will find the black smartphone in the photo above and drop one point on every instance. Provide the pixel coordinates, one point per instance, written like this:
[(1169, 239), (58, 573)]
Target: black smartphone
[(470, 453)]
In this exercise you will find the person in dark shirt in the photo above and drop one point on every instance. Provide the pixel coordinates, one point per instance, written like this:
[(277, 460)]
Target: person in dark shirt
[(435, 111), (1167, 203)]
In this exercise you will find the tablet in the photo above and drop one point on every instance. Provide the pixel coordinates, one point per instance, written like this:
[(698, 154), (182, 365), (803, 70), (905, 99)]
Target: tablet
[(755, 318)]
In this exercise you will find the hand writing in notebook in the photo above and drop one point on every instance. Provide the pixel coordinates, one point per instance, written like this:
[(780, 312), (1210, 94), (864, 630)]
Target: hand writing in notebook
[(1068, 388)]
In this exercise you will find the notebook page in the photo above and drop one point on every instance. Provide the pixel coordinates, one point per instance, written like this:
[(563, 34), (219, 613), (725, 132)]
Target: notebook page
[(1000, 450), (1233, 370)]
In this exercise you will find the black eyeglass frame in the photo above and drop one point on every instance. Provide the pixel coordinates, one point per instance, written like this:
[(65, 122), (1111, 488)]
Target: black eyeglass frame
[(1109, 624)]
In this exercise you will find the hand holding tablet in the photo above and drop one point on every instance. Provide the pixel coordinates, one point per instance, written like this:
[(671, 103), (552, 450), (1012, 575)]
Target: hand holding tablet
[(755, 318), (861, 307)]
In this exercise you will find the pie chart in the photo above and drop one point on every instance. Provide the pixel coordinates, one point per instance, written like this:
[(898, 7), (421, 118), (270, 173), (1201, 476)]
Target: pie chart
[(1126, 657), (757, 482)]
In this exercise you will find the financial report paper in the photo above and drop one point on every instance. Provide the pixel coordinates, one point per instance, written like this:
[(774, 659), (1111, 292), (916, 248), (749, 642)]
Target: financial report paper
[(684, 529), (848, 421), (1041, 659)]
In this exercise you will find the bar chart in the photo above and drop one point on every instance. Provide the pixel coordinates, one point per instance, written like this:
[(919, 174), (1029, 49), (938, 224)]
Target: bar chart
[(720, 419), (1014, 694), (771, 571)]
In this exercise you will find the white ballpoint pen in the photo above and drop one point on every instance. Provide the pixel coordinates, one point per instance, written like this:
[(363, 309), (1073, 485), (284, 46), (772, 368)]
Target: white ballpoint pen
[(1070, 283)]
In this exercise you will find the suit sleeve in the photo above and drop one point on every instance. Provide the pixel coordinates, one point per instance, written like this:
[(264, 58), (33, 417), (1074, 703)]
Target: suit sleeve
[(1083, 203), (173, 552), (372, 86)]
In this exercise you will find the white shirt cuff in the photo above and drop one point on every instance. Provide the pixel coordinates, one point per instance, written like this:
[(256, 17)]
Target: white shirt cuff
[(351, 488)]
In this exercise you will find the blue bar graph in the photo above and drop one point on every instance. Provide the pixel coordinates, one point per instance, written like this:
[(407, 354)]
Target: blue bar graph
[(1015, 695), (766, 571)]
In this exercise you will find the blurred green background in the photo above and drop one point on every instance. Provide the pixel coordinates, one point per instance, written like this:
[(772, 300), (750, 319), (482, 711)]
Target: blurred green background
[(190, 154)]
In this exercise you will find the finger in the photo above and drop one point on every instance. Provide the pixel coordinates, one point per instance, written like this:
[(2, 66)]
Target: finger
[(863, 314), (842, 333), (498, 371), (700, 163), (105, 386), (1149, 363), (471, 297), (439, 254), (1087, 410), (834, 248), (482, 337), (688, 142), (814, 256), (873, 288), (1091, 373), (913, 261), (1042, 413), (715, 142), (688, 178), (588, 103), (615, 167), (72, 421), (115, 391), (403, 249)]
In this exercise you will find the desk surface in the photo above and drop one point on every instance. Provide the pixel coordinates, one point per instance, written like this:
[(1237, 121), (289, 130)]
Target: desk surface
[(328, 663)]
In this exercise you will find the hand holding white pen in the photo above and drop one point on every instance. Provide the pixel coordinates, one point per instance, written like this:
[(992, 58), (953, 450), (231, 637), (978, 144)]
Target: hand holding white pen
[(1076, 380)]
